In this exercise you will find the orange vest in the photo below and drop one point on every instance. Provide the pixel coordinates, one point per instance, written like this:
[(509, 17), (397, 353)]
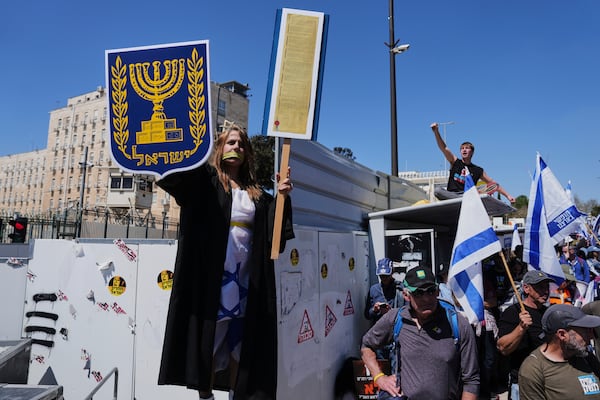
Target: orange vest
[(560, 296)]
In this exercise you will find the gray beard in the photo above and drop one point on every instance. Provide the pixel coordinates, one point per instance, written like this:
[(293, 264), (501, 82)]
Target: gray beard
[(571, 347)]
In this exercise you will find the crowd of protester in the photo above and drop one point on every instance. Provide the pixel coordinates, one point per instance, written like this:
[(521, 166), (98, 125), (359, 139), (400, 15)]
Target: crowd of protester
[(524, 350)]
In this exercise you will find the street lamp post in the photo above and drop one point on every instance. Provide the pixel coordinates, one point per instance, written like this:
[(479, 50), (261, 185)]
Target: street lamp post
[(394, 49), (84, 164)]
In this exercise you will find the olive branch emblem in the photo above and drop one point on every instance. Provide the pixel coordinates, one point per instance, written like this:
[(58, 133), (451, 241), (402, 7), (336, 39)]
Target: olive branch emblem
[(196, 102), (120, 105), (196, 99)]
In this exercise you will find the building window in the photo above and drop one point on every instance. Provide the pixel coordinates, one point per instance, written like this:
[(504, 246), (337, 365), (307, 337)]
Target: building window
[(121, 182), (144, 185), (222, 108)]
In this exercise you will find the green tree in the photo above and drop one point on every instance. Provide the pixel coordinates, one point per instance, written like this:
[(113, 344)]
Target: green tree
[(344, 152), (264, 158), (521, 204)]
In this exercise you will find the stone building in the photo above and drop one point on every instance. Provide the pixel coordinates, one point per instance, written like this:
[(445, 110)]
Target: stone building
[(75, 170)]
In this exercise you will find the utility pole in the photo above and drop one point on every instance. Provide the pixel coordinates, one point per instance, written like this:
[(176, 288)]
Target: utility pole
[(84, 165), (394, 49)]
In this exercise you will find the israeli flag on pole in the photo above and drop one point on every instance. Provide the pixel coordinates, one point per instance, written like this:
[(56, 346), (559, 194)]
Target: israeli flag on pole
[(595, 232), (516, 239), (562, 217), (569, 191), (544, 220), (475, 241)]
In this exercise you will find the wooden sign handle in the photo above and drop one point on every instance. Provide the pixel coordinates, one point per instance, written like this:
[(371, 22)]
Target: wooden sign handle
[(280, 201)]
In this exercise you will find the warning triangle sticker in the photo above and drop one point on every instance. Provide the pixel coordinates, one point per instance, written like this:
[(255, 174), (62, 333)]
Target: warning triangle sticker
[(330, 320), (348, 307), (306, 331)]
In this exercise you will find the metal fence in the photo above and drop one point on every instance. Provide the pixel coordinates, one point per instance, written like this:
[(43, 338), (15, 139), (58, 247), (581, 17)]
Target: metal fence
[(91, 224)]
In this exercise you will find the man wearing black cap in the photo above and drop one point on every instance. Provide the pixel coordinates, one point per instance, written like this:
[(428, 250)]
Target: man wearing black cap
[(433, 364), (519, 332), (562, 368)]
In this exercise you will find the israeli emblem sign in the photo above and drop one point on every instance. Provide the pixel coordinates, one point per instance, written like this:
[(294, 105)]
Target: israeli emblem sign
[(159, 107)]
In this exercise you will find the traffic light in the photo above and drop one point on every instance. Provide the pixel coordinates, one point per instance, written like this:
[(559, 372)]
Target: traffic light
[(20, 230)]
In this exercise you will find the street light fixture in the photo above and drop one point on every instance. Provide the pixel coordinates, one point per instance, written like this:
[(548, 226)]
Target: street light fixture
[(400, 49), (394, 49)]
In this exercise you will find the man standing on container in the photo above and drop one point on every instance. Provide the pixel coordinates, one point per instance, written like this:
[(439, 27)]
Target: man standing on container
[(456, 180)]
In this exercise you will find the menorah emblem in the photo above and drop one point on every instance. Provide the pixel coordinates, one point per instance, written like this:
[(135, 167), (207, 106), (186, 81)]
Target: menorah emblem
[(159, 107), (157, 89)]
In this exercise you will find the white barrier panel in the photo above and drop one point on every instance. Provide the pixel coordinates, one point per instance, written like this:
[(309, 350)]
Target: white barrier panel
[(96, 305)]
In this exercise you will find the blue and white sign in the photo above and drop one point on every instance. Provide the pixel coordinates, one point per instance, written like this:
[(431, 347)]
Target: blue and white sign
[(159, 107)]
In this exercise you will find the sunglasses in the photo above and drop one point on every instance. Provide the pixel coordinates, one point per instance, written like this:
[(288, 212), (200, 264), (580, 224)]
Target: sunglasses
[(421, 292)]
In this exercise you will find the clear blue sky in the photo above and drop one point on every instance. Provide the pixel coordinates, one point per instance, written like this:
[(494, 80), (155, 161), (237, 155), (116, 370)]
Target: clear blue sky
[(517, 77)]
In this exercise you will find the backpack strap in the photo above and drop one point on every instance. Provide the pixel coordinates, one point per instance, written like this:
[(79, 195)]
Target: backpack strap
[(398, 324), (452, 316)]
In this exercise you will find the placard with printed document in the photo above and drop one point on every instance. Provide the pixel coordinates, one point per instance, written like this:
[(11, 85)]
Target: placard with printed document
[(294, 87)]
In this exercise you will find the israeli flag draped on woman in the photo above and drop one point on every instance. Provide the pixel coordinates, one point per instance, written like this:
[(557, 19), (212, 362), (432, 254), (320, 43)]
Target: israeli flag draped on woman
[(551, 217), (475, 241)]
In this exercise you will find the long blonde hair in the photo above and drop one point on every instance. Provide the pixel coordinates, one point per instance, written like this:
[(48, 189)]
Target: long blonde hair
[(247, 172)]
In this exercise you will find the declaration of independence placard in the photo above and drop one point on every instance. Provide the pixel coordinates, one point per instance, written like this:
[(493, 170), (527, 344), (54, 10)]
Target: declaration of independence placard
[(292, 105)]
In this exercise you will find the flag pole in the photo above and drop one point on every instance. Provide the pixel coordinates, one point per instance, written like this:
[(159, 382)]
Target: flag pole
[(512, 282), (591, 231)]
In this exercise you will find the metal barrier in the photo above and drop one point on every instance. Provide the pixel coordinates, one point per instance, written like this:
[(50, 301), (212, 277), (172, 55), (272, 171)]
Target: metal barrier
[(103, 381), (93, 226)]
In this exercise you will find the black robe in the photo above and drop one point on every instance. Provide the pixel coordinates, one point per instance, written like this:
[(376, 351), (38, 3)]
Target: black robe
[(195, 297)]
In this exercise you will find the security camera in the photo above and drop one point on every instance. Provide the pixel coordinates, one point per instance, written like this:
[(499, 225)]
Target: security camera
[(400, 49)]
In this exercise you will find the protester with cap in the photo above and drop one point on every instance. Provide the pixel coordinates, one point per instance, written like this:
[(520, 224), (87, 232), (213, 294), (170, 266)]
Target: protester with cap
[(382, 295), (578, 266), (519, 330), (593, 253), (432, 365), (562, 368)]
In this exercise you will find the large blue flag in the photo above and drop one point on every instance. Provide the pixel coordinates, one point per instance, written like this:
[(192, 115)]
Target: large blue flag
[(475, 241), (551, 217)]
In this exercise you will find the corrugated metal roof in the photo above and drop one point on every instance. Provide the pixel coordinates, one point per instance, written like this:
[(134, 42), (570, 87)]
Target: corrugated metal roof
[(444, 212)]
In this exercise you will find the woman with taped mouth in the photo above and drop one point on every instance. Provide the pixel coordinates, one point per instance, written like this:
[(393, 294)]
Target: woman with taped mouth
[(221, 327)]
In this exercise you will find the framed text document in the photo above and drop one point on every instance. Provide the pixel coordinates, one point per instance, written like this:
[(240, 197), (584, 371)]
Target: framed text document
[(293, 93)]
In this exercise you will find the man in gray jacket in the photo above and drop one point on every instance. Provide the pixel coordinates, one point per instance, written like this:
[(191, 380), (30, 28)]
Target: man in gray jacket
[(433, 363)]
